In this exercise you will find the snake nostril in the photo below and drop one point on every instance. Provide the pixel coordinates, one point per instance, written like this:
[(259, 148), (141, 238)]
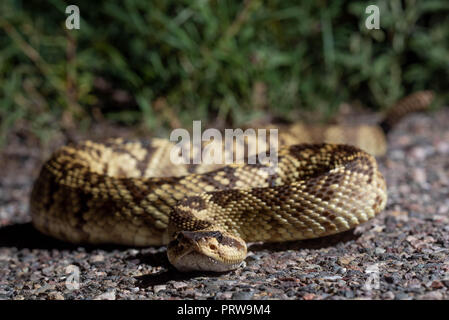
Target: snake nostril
[(213, 247), (179, 236)]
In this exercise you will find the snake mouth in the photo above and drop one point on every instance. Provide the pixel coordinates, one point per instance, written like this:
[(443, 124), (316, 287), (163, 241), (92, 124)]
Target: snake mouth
[(201, 251)]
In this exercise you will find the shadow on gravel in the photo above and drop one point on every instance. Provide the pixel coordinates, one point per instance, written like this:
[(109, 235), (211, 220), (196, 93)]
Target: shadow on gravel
[(25, 236), (319, 243), (148, 280), (159, 259)]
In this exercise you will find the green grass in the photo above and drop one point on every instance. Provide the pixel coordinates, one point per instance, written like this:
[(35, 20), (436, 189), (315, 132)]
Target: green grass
[(164, 63)]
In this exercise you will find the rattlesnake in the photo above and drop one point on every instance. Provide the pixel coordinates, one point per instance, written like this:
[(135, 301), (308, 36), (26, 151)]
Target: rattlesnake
[(128, 192)]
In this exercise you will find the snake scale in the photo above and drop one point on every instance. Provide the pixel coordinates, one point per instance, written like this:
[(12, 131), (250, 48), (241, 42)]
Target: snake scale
[(128, 192)]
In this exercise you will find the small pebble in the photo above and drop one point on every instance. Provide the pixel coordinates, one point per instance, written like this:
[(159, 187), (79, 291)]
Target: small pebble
[(55, 296), (110, 295), (158, 288)]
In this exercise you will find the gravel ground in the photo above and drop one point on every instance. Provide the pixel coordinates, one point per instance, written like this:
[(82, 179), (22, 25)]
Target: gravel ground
[(401, 254)]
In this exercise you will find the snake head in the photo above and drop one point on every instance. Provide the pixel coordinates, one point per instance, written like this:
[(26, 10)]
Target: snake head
[(205, 251)]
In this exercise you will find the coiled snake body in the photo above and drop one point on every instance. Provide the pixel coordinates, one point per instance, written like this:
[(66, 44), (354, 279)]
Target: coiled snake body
[(129, 193)]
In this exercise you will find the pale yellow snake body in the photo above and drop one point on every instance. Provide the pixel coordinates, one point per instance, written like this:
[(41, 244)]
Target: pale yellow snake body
[(129, 193)]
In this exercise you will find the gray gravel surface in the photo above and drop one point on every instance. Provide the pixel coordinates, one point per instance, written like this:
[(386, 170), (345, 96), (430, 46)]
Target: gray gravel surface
[(401, 254)]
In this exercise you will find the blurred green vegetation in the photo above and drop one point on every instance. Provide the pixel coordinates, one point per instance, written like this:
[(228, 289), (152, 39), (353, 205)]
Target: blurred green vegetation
[(162, 63)]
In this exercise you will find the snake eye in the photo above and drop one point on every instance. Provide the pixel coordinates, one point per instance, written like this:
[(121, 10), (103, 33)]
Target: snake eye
[(213, 247)]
